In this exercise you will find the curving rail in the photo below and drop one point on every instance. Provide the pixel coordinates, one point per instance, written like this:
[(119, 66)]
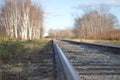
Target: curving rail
[(65, 70)]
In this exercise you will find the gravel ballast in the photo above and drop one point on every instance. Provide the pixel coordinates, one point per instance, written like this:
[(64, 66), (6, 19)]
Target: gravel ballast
[(92, 63)]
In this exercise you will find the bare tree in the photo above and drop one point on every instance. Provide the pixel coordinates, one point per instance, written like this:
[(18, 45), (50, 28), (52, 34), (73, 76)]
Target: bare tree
[(21, 19), (94, 23)]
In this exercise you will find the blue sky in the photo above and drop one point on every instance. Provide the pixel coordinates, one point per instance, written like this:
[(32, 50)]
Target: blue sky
[(60, 14)]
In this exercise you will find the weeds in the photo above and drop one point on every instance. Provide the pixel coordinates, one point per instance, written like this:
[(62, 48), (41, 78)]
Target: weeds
[(13, 52)]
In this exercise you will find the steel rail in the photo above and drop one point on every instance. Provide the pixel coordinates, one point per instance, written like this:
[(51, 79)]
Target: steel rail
[(65, 70), (114, 49)]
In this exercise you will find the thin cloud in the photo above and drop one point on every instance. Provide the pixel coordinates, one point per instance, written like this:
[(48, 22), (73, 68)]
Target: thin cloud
[(106, 3), (112, 3), (53, 14)]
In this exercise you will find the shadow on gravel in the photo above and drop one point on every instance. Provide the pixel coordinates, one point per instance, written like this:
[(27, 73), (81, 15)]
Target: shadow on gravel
[(38, 65)]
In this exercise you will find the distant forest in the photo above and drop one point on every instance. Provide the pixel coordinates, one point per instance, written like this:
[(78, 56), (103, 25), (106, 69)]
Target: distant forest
[(96, 23)]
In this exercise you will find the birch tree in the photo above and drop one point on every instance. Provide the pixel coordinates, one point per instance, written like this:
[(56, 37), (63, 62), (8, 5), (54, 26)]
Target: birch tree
[(21, 19)]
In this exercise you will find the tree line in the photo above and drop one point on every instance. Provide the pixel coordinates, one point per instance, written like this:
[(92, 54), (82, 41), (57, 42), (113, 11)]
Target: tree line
[(63, 33), (20, 19), (95, 23)]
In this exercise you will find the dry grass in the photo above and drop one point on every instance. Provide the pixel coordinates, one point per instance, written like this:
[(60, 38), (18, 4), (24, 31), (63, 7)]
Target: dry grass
[(16, 69)]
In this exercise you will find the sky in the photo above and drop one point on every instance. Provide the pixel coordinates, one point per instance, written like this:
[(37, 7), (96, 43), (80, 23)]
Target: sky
[(60, 14)]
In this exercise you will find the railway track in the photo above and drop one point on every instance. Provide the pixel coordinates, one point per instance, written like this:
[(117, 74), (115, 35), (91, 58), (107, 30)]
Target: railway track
[(65, 60), (91, 61)]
